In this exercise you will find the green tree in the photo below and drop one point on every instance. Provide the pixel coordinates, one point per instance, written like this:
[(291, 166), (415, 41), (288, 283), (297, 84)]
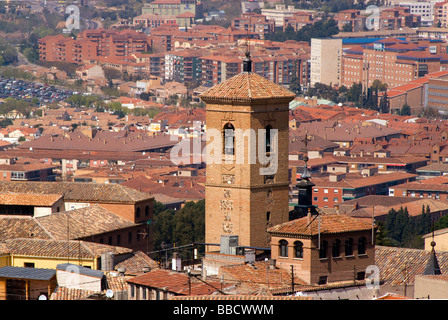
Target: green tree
[(294, 85), (189, 223), (384, 106), (405, 110), (442, 223), (354, 92)]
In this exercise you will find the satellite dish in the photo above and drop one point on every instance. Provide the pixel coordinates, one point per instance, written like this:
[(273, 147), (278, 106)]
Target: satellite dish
[(109, 293)]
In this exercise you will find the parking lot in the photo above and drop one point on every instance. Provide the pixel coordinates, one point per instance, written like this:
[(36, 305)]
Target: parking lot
[(25, 90)]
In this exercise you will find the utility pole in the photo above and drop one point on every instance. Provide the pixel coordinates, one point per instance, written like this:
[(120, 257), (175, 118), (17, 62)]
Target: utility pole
[(292, 278), (189, 282)]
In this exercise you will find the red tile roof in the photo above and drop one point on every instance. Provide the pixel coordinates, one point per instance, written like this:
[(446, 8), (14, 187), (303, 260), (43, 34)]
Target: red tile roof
[(246, 87), (176, 283), (328, 224)]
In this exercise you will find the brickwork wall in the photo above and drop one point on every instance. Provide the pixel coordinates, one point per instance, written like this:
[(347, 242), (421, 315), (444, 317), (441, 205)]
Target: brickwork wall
[(241, 207)]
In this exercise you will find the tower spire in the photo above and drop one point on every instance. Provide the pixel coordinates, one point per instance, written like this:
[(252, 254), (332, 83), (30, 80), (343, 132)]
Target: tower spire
[(432, 267), (247, 62)]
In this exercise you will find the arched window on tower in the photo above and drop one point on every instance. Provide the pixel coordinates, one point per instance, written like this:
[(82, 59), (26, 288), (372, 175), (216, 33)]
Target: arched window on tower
[(268, 138), (229, 139)]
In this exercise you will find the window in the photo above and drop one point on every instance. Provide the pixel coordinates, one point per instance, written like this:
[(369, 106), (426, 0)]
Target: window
[(229, 139), (362, 245), (336, 248), (118, 239), (137, 212), (283, 244), (28, 265), (349, 247), (147, 211), (268, 138), (322, 280), (323, 250), (130, 237), (298, 250), (268, 216), (361, 276)]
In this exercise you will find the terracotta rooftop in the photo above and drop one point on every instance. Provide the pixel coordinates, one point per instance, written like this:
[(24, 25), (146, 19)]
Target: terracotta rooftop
[(253, 278), (329, 223), (26, 199), (401, 265), (58, 248), (77, 191), (12, 227), (176, 283), (246, 87), (82, 222)]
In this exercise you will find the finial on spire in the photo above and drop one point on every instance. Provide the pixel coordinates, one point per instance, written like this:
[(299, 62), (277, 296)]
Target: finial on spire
[(306, 174), (247, 63)]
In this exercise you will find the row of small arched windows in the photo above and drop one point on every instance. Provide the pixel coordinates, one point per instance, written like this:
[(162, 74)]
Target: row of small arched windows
[(137, 211), (323, 251)]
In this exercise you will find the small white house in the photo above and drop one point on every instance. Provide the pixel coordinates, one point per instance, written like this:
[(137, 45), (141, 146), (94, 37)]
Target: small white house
[(78, 277)]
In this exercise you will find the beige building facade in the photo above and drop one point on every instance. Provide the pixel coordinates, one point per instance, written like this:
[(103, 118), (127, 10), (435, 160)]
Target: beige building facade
[(326, 55)]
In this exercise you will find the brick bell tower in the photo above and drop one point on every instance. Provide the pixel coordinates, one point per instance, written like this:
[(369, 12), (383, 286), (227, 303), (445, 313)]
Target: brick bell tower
[(247, 184)]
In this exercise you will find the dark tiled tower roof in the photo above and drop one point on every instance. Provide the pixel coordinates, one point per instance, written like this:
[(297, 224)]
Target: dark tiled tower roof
[(432, 267)]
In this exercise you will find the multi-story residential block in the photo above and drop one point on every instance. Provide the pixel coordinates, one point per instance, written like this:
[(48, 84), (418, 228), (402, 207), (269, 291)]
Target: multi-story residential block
[(392, 61), (434, 188), (280, 13), (440, 14), (217, 68), (92, 44), (326, 55), (424, 9), (173, 7), (339, 187), (112, 43), (398, 17), (151, 20), (183, 66), (256, 23), (62, 48), (298, 20), (351, 18), (278, 67)]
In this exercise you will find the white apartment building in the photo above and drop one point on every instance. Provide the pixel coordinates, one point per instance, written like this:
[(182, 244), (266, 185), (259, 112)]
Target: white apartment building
[(326, 55), (424, 9)]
